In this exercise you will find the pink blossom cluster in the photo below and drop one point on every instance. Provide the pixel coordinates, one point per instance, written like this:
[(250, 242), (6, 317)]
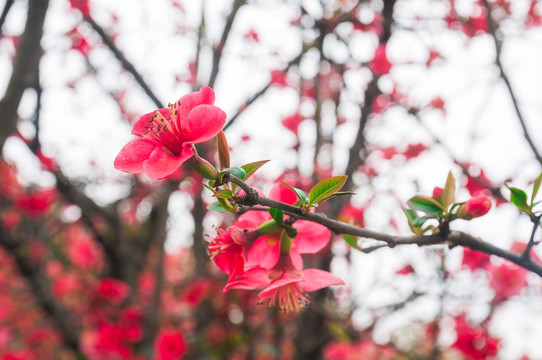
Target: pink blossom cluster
[(258, 253)]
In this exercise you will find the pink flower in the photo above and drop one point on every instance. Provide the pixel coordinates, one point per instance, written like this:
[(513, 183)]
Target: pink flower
[(292, 122), (474, 343), (475, 259), (477, 206), (279, 78), (226, 250), (113, 290), (169, 345), (284, 285), (507, 280), (380, 64), (166, 136), (310, 239), (437, 192)]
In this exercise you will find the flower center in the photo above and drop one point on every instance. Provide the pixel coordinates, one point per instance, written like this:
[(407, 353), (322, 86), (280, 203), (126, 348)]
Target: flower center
[(166, 131), (290, 297)]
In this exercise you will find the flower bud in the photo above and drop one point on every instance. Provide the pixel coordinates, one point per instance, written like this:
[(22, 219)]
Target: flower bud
[(437, 192), (477, 206)]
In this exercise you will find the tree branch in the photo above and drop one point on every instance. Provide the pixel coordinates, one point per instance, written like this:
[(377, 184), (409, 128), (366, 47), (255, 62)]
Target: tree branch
[(125, 63), (25, 67), (4, 15), (451, 238), (498, 47), (217, 53)]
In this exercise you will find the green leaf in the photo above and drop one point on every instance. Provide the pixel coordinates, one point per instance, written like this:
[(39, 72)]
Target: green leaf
[(518, 197), (290, 231), (412, 216), (216, 207), (224, 194), (277, 215), (325, 188), (419, 221), (237, 171), (448, 192), (251, 168), (535, 188), (426, 204), (351, 240), (298, 192)]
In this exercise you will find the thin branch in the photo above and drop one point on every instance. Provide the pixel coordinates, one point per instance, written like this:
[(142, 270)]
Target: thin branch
[(527, 252), (498, 48), (201, 31), (4, 15), (125, 63), (217, 53), (451, 238), (25, 67)]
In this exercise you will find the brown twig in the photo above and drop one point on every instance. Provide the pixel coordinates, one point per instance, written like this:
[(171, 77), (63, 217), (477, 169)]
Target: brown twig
[(25, 67), (219, 48), (125, 63), (4, 15), (451, 238), (498, 48)]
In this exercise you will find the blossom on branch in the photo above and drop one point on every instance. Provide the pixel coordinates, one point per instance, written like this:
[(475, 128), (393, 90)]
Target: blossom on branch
[(284, 285), (167, 136)]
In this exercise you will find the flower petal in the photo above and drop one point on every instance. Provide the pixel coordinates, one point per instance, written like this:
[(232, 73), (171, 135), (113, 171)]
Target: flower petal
[(271, 289), (160, 164), (311, 237), (205, 96), (141, 126), (282, 193), (131, 157), (252, 219), (315, 279), (203, 123), (255, 278), (264, 252)]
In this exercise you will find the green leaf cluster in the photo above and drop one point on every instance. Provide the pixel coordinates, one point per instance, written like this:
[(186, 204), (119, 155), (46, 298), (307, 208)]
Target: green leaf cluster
[(439, 208), (226, 194), (520, 199)]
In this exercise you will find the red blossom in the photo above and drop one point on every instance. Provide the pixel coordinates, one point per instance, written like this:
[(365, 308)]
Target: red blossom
[(380, 64), (36, 203), (507, 280), (364, 349), (475, 259), (252, 35), (434, 56), (405, 270), (292, 122), (169, 345), (475, 207), (284, 285), (166, 137), (113, 290), (414, 150), (81, 5), (437, 192), (279, 78), (474, 342), (437, 103)]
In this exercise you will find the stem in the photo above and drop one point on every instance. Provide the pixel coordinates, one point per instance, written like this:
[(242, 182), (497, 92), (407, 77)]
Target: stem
[(527, 252), (451, 238)]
